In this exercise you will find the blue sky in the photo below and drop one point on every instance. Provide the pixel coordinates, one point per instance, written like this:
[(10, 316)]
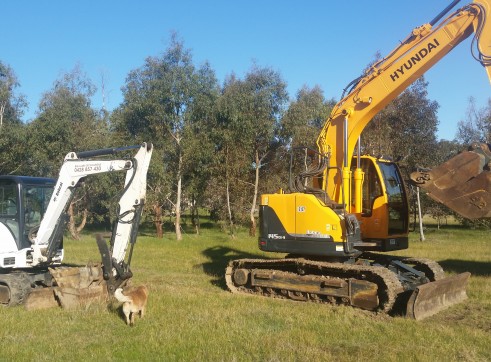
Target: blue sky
[(325, 43)]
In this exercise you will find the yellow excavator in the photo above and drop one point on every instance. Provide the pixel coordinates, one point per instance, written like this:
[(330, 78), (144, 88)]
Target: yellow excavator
[(344, 209)]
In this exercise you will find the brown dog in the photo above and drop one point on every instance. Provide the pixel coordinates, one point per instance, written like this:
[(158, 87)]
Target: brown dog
[(134, 301)]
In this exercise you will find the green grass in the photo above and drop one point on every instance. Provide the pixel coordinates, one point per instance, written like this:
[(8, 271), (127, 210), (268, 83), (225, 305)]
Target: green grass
[(192, 317)]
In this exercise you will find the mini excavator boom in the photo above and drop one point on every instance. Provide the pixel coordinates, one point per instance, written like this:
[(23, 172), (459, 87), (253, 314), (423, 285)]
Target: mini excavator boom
[(31, 229)]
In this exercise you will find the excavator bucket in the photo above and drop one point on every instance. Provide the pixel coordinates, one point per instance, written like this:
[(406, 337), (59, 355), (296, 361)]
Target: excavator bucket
[(463, 183), (75, 286), (431, 298)]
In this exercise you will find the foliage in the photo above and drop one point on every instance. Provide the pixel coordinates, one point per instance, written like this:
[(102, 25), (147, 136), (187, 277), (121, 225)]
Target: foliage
[(168, 102), (14, 155), (477, 125), (305, 117), (247, 124), (11, 105), (66, 122), (12, 131)]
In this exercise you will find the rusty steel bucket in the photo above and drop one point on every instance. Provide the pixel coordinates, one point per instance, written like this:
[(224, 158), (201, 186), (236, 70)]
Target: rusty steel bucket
[(75, 286), (463, 183)]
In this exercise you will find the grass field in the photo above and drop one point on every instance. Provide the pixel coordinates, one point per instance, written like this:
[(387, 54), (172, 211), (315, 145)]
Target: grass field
[(191, 316)]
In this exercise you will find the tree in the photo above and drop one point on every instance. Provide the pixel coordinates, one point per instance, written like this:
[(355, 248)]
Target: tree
[(164, 101), (11, 105), (14, 151), (66, 122), (249, 113), (197, 170), (12, 130), (305, 117), (477, 125), (267, 99)]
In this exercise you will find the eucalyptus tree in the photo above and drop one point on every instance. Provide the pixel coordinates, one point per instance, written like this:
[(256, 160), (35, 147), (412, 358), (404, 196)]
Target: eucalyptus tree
[(12, 105), (199, 148), (477, 125), (167, 101), (12, 130), (305, 116), (14, 150), (230, 163), (249, 115), (67, 122)]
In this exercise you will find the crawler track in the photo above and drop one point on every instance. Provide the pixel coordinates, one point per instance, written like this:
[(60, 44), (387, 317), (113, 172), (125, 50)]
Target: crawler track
[(431, 268), (14, 288), (364, 286)]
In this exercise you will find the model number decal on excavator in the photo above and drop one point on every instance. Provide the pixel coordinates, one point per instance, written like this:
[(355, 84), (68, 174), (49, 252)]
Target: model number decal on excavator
[(418, 56), (276, 236)]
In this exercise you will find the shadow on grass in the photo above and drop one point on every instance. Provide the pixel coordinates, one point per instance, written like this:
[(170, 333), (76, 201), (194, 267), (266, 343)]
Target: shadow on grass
[(479, 268), (219, 257)]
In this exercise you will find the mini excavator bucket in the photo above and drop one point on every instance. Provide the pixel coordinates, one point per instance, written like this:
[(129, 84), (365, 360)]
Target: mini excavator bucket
[(75, 286), (463, 183), (431, 298)]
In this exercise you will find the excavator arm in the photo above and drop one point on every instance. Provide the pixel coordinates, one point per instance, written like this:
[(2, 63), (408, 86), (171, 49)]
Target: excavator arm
[(77, 166), (389, 77), (53, 284)]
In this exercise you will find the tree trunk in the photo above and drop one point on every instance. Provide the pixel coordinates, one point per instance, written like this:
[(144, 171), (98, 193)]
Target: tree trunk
[(72, 227), (195, 216), (2, 112), (178, 199), (252, 229), (421, 232), (157, 210), (231, 222)]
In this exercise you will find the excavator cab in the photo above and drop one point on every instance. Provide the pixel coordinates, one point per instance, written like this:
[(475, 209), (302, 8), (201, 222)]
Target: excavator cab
[(23, 202), (384, 218)]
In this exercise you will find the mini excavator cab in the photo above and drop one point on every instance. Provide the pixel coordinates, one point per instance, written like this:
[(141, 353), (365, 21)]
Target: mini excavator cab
[(23, 202)]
